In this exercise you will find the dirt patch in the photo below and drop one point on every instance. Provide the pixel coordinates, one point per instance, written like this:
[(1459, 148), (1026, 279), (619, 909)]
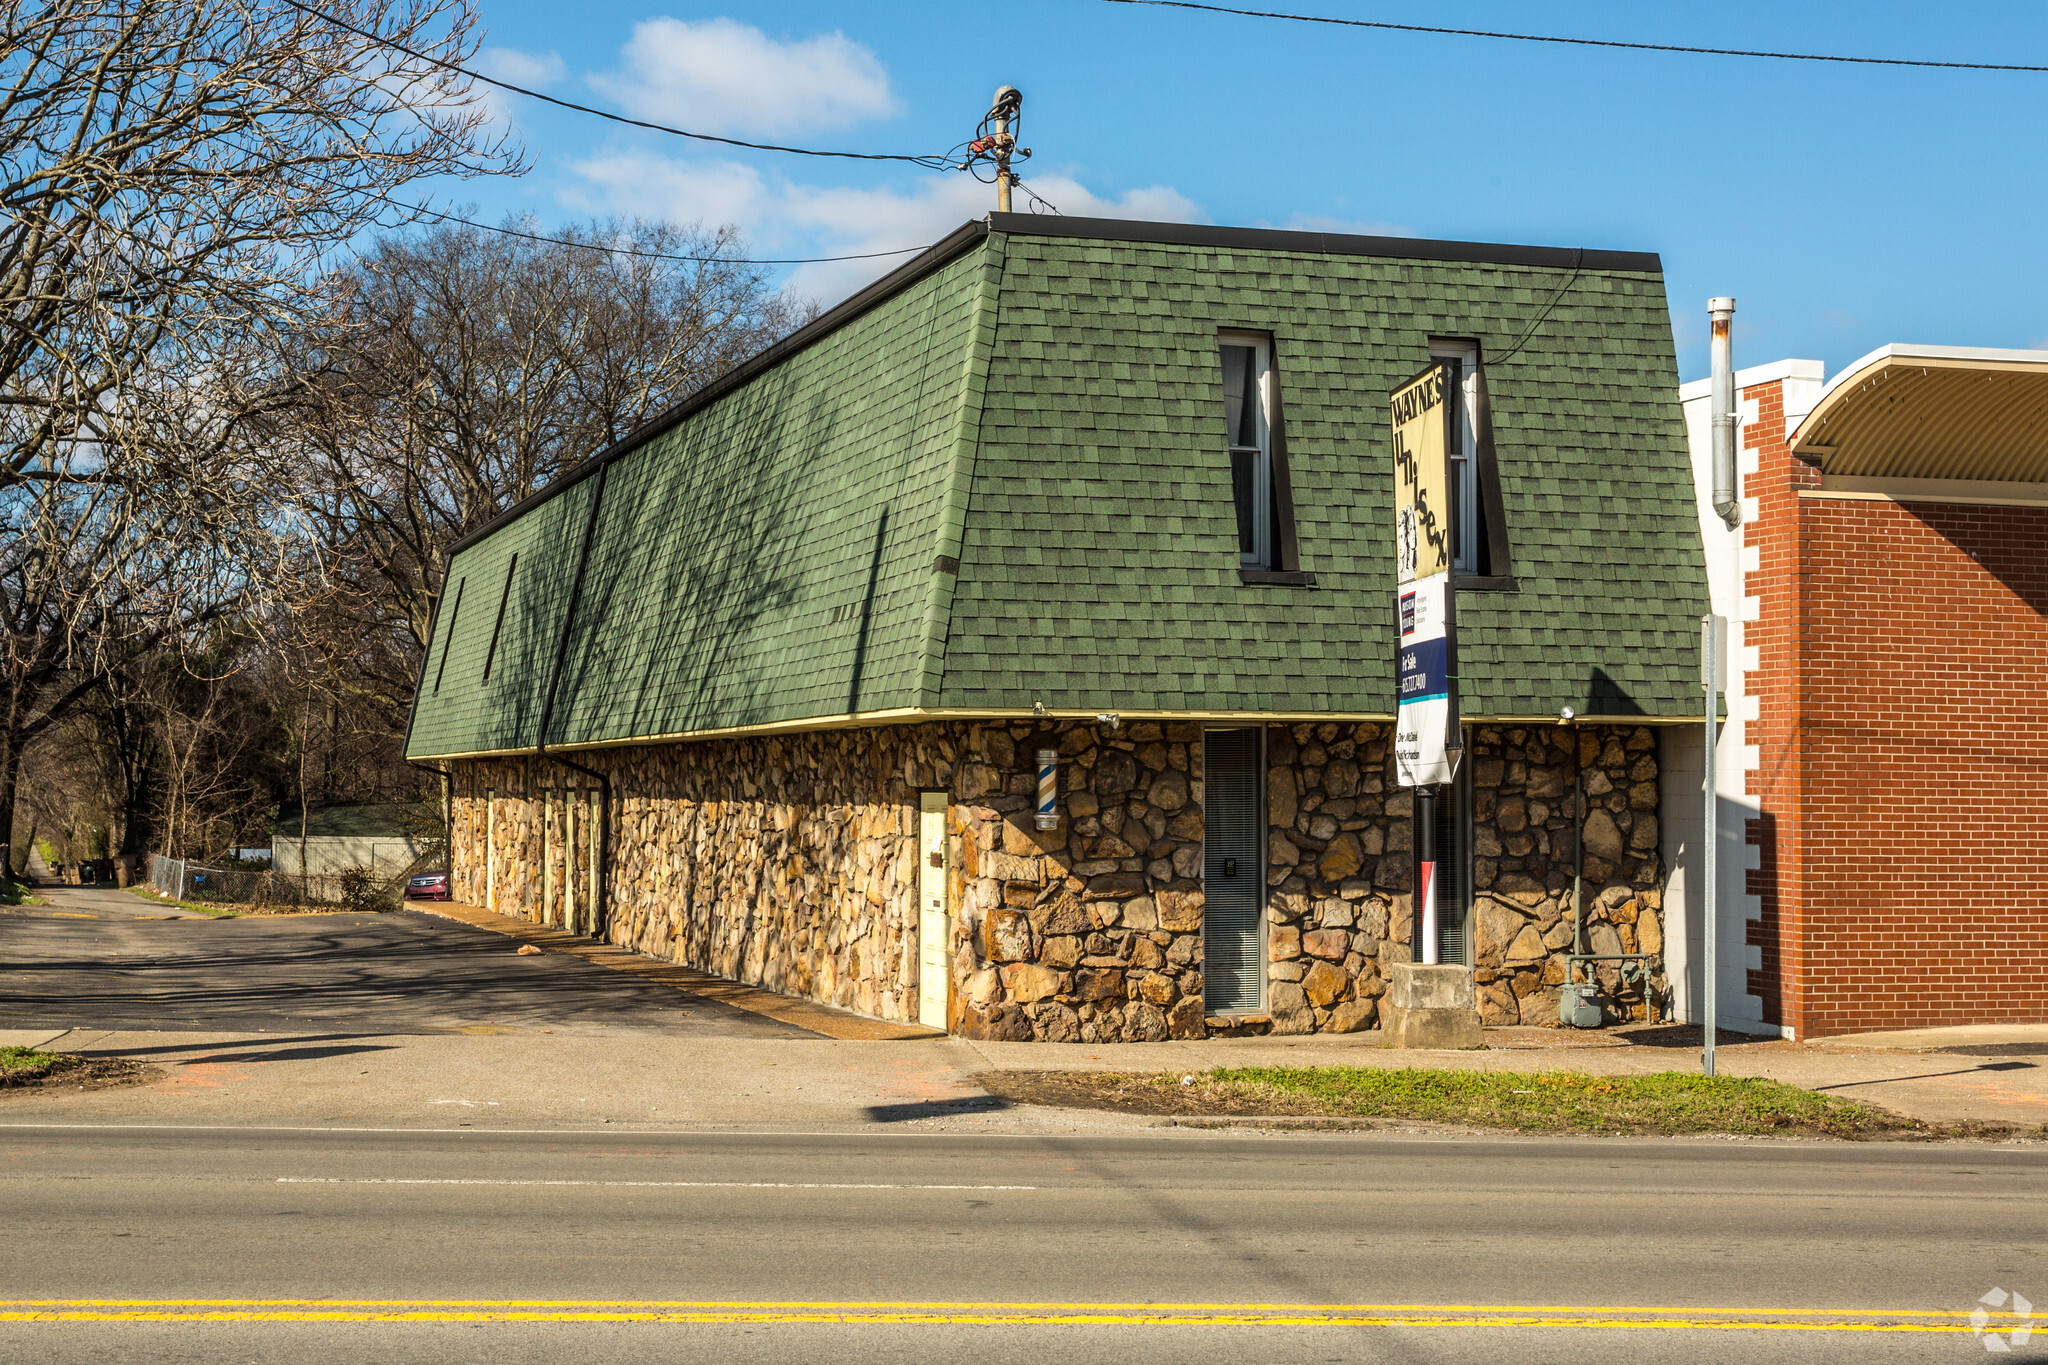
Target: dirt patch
[(22, 1072), (1127, 1093)]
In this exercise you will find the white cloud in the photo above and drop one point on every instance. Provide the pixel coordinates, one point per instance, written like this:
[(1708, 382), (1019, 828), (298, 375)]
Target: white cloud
[(722, 76), (534, 71), (853, 221), (659, 187), (784, 218)]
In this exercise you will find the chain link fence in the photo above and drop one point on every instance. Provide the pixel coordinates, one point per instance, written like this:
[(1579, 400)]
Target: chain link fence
[(357, 889)]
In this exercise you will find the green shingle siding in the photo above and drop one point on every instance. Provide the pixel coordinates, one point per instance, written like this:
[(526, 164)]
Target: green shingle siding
[(1076, 607), (1047, 410), (765, 559)]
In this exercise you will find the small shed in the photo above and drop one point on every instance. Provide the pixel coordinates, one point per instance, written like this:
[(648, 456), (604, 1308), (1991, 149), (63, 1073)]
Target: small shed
[(369, 835)]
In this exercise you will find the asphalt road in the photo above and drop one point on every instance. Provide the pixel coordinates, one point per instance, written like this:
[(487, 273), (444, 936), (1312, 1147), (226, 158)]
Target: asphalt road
[(306, 1245), (402, 972)]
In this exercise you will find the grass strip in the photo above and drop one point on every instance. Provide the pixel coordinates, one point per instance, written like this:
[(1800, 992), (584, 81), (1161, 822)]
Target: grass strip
[(20, 1064), (1556, 1101), (1572, 1101)]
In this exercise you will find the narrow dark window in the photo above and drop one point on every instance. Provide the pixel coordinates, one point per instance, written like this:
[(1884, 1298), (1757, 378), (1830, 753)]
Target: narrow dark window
[(1247, 420), (1479, 545), (448, 635), (491, 654)]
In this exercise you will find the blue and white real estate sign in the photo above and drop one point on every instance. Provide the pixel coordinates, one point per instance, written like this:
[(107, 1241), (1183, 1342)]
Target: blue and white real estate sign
[(1423, 714), (1422, 556)]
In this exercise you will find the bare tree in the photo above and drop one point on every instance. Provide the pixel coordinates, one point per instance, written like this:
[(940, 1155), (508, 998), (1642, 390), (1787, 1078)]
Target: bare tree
[(474, 368), (173, 175)]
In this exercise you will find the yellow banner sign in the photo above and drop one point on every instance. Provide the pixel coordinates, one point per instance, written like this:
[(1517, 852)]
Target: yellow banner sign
[(1422, 477)]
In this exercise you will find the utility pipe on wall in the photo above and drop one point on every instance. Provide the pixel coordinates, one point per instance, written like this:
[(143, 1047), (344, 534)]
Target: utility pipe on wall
[(1726, 505), (1713, 653)]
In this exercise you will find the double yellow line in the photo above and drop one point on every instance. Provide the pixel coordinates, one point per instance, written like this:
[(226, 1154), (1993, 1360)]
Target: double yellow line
[(944, 1314)]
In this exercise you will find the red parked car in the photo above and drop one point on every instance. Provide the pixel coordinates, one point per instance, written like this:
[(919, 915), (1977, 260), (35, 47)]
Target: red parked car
[(428, 886)]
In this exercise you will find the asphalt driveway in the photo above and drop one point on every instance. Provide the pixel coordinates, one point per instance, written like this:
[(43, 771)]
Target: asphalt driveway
[(108, 958)]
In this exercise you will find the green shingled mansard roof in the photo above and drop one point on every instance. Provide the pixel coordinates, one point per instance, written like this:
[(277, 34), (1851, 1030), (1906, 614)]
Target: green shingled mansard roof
[(997, 478)]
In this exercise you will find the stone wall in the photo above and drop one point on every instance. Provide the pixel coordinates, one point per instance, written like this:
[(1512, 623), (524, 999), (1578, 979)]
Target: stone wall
[(1523, 862), (1340, 863), (1091, 932), (1338, 868), (787, 862), (791, 862)]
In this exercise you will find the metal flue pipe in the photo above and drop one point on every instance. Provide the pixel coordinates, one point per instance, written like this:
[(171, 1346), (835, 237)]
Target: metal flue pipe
[(1726, 504)]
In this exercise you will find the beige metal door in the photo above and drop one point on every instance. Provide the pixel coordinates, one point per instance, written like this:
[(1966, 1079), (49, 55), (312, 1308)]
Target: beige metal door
[(934, 930)]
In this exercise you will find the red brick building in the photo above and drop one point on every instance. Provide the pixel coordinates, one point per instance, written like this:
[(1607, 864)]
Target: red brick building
[(1891, 713)]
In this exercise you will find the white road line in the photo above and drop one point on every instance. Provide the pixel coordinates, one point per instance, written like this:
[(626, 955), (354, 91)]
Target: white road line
[(636, 1184)]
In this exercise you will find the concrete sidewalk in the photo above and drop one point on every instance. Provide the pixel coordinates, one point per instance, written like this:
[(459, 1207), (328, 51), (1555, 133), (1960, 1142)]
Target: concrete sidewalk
[(397, 1023), (538, 1080)]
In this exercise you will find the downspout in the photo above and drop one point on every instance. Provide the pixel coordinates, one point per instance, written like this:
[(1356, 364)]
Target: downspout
[(1726, 505), (547, 712)]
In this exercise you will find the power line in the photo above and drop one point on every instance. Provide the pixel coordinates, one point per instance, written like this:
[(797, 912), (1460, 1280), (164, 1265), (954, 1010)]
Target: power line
[(1577, 42), (627, 251), (931, 163)]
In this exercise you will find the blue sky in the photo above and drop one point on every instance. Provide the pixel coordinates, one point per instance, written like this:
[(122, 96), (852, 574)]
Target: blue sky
[(1845, 207)]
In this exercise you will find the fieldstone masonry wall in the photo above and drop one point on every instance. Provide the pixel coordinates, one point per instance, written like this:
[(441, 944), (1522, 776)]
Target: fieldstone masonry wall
[(1523, 860), (787, 862), (1340, 865), (1091, 932), (791, 862), (1338, 869)]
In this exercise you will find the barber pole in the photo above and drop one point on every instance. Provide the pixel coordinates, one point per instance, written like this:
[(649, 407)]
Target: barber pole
[(1048, 788)]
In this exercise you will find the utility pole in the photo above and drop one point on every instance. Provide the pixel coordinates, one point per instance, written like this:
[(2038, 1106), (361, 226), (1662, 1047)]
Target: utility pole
[(1008, 103)]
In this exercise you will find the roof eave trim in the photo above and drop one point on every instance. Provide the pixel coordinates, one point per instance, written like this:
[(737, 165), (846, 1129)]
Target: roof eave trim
[(1323, 243), (911, 715)]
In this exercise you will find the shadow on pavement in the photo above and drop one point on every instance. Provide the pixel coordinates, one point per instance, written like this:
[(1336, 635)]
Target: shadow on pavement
[(935, 1109), (392, 973), (295, 1054), (244, 1043)]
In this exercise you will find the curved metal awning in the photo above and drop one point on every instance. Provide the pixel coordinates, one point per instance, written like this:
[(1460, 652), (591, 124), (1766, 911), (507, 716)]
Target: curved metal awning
[(1933, 412)]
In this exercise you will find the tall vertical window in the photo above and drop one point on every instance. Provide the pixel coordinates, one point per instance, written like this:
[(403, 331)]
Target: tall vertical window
[(1247, 416), (1468, 540)]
